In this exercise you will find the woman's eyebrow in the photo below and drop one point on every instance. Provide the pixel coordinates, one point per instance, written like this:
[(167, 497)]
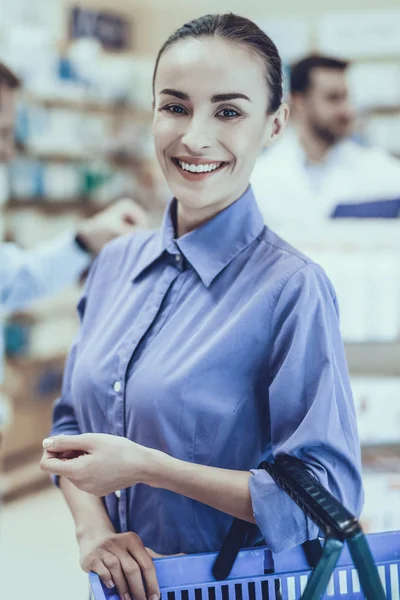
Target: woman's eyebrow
[(229, 97), (175, 93), (216, 98)]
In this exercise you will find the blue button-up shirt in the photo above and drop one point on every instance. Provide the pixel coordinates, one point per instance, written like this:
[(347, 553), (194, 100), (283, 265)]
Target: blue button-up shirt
[(221, 348)]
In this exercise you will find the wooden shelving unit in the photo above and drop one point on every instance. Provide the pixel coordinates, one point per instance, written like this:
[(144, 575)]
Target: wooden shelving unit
[(31, 418), (91, 106), (57, 207)]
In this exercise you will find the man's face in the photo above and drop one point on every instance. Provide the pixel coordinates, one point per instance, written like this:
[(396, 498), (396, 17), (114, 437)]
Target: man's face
[(326, 106), (7, 123)]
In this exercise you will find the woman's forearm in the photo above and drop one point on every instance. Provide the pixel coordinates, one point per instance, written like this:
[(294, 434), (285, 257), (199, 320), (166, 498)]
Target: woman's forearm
[(223, 489), (88, 512)]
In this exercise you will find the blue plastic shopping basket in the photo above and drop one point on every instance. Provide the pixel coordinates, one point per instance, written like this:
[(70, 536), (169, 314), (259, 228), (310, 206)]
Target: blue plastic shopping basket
[(361, 569)]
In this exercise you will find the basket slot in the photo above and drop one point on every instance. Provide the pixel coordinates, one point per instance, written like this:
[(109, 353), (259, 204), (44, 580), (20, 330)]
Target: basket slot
[(211, 593), (343, 586), (198, 594), (251, 587), (238, 591), (330, 590), (303, 582), (382, 577), (355, 581), (265, 590), (184, 595), (395, 581), (291, 588), (225, 592), (171, 596)]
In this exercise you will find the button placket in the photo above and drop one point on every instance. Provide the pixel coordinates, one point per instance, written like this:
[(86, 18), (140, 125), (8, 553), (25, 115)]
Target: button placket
[(128, 349)]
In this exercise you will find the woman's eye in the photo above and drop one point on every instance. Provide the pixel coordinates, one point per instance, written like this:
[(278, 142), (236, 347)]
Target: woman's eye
[(174, 108), (228, 113)]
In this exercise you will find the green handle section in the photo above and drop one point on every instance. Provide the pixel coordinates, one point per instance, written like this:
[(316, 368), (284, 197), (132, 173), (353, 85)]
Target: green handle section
[(365, 565), (319, 578)]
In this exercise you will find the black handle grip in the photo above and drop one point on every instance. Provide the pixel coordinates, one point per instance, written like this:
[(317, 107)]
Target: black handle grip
[(315, 501), (234, 541)]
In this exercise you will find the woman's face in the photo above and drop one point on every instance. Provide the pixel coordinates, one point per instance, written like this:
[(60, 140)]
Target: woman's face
[(210, 120)]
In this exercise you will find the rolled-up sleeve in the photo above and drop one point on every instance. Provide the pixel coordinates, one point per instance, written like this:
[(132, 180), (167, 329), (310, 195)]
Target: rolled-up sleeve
[(310, 405)]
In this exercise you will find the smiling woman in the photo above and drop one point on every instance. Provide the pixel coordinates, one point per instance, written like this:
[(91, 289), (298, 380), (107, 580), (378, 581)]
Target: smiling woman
[(205, 347), (221, 118)]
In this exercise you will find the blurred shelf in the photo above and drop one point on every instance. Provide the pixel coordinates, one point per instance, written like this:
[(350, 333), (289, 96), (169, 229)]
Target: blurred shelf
[(60, 157), (54, 208), (374, 358), (120, 161), (381, 110), (24, 479), (92, 106), (374, 58)]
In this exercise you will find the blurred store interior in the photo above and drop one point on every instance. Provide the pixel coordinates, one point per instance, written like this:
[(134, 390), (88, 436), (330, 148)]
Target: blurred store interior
[(83, 139)]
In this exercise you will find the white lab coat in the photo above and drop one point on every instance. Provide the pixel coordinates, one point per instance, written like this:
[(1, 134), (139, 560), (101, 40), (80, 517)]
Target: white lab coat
[(292, 193), (26, 275)]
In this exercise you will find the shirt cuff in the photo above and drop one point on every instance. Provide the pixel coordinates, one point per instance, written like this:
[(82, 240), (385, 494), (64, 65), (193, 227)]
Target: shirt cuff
[(80, 258), (281, 522)]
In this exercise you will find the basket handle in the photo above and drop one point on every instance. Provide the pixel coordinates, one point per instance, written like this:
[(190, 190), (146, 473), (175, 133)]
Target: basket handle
[(316, 502)]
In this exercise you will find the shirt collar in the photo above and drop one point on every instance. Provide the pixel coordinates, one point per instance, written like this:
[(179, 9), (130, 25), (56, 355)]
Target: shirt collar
[(212, 246)]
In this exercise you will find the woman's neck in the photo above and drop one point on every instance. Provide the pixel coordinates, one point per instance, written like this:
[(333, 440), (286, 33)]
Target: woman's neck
[(189, 218)]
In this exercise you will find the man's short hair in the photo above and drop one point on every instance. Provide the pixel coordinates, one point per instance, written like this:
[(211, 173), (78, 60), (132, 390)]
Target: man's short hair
[(8, 78), (300, 74)]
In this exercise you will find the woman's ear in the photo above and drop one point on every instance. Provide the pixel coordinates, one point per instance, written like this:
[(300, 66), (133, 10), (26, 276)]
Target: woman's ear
[(276, 125)]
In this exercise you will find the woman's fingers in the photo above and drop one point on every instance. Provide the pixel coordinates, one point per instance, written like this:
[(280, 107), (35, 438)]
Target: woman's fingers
[(101, 570), (153, 554), (114, 566), (61, 443), (133, 575), (147, 569)]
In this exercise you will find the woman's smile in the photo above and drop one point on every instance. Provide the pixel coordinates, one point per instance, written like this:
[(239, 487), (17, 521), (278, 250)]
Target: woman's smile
[(194, 169)]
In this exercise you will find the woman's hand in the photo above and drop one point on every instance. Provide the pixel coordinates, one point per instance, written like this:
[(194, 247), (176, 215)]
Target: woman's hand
[(98, 464), (121, 561)]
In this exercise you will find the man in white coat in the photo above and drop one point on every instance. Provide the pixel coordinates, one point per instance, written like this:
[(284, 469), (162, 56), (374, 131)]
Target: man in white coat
[(316, 170)]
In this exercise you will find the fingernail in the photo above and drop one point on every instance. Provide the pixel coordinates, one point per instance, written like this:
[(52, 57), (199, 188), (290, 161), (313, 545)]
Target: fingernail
[(110, 585), (127, 597), (48, 443), (155, 597)]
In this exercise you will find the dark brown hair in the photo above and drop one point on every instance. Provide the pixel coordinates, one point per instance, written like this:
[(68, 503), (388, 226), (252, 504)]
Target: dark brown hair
[(242, 31), (8, 79), (300, 73)]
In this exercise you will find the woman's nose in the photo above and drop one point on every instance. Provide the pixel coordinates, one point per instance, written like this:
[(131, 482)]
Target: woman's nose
[(197, 137)]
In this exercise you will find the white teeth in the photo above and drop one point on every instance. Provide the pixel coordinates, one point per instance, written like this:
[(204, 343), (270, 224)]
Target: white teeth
[(199, 168)]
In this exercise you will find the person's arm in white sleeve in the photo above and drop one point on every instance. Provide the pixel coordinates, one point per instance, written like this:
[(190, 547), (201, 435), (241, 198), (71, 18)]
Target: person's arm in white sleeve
[(26, 275), (29, 274)]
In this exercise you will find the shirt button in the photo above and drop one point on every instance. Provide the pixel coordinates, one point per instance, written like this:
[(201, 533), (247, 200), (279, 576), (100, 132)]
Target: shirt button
[(117, 386), (118, 493), (178, 258)]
